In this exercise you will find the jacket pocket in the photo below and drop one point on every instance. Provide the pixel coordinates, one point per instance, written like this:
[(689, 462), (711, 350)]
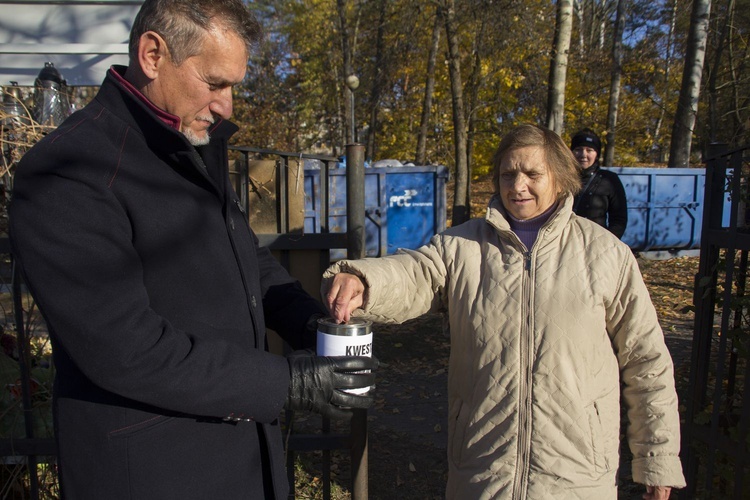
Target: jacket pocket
[(138, 427), (604, 444), (457, 432)]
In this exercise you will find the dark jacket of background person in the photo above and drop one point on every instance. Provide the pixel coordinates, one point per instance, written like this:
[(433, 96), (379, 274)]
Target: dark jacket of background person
[(604, 202), (157, 297), (602, 198)]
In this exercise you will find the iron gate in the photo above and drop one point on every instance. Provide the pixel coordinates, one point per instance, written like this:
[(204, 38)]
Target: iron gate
[(716, 441)]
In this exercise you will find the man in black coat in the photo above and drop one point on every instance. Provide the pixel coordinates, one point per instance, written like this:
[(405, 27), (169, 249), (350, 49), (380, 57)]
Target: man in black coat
[(153, 285), (602, 197)]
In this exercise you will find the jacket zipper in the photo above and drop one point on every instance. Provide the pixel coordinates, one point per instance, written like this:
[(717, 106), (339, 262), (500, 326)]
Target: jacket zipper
[(524, 414)]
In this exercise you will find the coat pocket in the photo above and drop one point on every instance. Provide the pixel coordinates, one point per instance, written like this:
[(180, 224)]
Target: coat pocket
[(605, 437), (457, 430), (138, 427)]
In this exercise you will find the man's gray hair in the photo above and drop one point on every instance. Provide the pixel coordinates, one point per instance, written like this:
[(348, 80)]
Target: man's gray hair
[(183, 23)]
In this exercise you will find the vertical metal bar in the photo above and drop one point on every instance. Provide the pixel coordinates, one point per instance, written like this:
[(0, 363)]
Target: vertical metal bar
[(736, 326), (360, 464), (326, 463), (355, 200), (290, 456), (743, 428), (355, 223), (323, 201), (383, 223), (282, 207), (325, 260), (324, 206), (24, 362)]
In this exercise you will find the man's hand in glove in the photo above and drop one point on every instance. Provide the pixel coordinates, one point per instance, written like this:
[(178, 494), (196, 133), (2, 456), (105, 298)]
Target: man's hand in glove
[(317, 383)]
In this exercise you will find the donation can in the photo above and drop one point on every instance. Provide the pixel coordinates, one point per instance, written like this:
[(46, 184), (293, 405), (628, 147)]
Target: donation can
[(353, 338)]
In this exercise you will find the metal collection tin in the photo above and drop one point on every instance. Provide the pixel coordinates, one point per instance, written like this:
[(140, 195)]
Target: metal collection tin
[(353, 338)]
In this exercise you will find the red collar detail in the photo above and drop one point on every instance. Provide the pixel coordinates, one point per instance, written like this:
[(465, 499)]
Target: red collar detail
[(169, 119)]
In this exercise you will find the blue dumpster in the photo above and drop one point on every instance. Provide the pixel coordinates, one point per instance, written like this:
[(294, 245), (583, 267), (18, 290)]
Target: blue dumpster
[(404, 206), (665, 207)]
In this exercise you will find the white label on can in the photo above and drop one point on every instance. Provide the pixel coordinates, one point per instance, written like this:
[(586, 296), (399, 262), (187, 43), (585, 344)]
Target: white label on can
[(345, 345)]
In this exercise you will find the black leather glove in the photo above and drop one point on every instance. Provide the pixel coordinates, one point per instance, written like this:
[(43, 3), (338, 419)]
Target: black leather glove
[(317, 383)]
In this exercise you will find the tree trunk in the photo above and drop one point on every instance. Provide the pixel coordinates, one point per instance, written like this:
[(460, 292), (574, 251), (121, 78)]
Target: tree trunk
[(429, 89), (580, 8), (687, 105), (667, 65), (460, 208), (346, 50), (377, 83), (559, 66), (614, 88), (713, 122), (475, 82)]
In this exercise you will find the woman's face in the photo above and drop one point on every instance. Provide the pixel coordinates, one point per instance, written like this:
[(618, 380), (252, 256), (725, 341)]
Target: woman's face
[(585, 155), (525, 184)]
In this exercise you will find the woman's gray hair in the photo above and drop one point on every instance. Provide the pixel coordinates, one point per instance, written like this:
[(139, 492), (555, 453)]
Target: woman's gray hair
[(183, 23), (565, 169)]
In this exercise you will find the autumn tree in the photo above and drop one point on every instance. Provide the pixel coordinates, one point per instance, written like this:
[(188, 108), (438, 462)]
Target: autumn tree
[(614, 87), (429, 89), (294, 97), (687, 105), (726, 117), (559, 66)]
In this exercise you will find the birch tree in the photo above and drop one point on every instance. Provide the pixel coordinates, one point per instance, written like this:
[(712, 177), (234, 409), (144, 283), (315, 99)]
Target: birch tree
[(614, 88), (687, 105), (559, 66), (668, 57)]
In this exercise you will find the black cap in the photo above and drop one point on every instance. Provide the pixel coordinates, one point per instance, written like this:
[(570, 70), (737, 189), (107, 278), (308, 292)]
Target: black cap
[(587, 137)]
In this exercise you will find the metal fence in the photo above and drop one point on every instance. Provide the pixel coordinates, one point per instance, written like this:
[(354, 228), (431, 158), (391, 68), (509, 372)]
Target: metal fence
[(27, 446), (716, 437)]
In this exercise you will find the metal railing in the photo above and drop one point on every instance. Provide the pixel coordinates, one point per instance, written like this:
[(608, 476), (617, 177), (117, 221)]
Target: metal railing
[(716, 438)]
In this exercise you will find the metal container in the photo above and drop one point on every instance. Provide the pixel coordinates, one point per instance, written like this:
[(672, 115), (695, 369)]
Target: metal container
[(353, 338)]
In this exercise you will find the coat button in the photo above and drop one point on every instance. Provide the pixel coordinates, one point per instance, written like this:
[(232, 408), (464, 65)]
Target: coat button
[(253, 301)]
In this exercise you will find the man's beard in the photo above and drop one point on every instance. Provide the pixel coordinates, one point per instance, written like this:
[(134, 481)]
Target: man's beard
[(193, 138)]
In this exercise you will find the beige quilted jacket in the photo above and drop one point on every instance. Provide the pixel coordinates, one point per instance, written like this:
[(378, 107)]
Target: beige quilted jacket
[(541, 342)]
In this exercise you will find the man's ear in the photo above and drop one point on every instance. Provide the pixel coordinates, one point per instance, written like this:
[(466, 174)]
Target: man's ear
[(152, 54)]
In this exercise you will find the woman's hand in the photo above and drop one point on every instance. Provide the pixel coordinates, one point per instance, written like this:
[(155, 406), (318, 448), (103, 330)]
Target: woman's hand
[(657, 493), (345, 294)]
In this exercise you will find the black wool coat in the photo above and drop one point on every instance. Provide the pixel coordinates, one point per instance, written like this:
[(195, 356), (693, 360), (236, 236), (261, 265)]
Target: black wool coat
[(157, 296)]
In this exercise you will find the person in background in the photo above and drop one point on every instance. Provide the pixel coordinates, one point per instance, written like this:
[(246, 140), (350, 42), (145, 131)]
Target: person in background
[(155, 290), (551, 325), (602, 197)]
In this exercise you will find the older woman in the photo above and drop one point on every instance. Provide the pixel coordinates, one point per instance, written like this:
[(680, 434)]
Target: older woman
[(550, 324)]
